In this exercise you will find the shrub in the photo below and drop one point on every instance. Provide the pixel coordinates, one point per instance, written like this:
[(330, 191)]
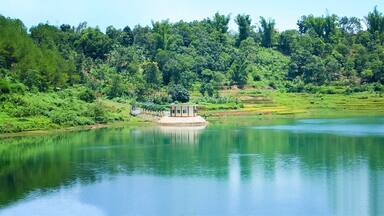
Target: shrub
[(97, 112), (63, 118), (217, 100), (273, 85), (256, 77), (208, 88), (18, 88), (348, 90), (152, 106), (70, 118), (357, 89), (327, 90), (87, 95), (161, 99), (377, 87), (296, 85), (5, 87), (310, 88), (81, 120)]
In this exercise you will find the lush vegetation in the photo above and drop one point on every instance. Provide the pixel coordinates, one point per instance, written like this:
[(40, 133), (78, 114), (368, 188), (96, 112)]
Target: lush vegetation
[(57, 109), (268, 103), (61, 75)]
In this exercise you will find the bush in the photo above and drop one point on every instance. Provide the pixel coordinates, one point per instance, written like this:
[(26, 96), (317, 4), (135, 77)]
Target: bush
[(217, 100), (256, 77), (87, 95), (160, 98), (81, 120), (310, 88), (356, 89), (18, 88), (377, 87), (152, 106), (25, 111), (326, 90), (208, 88), (272, 85), (348, 90), (5, 87), (63, 118), (70, 118), (97, 112), (296, 85)]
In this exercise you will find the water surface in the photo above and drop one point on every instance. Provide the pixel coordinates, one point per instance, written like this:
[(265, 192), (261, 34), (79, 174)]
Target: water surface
[(288, 167)]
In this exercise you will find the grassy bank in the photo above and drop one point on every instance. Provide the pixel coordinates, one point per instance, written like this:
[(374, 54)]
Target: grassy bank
[(67, 110), (274, 103), (56, 110)]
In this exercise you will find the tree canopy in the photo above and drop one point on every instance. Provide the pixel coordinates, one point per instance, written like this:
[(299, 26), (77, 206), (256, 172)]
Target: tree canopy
[(137, 62)]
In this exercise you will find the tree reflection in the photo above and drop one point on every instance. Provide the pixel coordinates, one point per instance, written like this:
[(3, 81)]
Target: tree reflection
[(231, 153)]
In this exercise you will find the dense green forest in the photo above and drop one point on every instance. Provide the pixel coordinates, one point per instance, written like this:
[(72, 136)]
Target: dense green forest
[(166, 61)]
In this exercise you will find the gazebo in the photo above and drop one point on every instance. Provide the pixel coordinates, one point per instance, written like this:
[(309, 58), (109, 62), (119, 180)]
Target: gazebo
[(183, 110), (182, 115)]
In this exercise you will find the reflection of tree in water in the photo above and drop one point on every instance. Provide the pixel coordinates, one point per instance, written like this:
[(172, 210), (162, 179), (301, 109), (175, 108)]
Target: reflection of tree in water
[(45, 163)]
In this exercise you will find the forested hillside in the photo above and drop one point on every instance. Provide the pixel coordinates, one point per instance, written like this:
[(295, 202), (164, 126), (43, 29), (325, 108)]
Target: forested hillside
[(327, 54)]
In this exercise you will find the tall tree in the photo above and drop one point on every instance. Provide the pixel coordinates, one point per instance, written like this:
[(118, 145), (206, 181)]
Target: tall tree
[(350, 25), (152, 74), (220, 22), (288, 41), (127, 36), (112, 33), (375, 21), (244, 23), (162, 34), (93, 43), (267, 29), (239, 71), (323, 27), (46, 35)]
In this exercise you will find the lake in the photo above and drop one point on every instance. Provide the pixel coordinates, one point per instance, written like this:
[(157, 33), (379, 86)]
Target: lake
[(271, 167)]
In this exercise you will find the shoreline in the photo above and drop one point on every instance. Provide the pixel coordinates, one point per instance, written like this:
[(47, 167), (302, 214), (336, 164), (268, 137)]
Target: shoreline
[(40, 132), (213, 119), (253, 105)]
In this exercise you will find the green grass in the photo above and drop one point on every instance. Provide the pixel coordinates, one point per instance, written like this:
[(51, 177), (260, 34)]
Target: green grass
[(41, 111), (270, 102)]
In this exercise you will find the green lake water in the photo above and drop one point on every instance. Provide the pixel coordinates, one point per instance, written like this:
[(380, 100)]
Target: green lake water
[(277, 167)]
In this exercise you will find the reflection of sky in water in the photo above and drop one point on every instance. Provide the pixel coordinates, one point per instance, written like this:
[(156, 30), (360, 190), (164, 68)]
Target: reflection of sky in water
[(287, 191), (349, 127), (367, 120)]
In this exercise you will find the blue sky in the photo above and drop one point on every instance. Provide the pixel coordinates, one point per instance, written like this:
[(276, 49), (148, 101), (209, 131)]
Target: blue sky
[(131, 12)]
